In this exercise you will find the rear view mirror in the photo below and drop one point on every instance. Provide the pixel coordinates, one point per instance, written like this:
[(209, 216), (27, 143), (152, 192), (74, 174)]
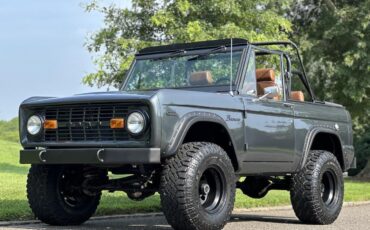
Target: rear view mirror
[(271, 92)]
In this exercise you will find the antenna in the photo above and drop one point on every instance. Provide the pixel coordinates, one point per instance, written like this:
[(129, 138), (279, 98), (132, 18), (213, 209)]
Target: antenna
[(231, 67)]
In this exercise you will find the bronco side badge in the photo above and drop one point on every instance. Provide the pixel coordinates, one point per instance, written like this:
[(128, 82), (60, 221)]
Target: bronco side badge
[(229, 118)]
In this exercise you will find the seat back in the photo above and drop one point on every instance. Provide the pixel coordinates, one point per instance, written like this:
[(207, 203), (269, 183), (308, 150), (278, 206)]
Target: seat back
[(201, 78), (297, 96), (265, 78)]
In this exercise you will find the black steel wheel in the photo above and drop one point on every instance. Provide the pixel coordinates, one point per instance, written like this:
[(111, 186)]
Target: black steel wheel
[(56, 196), (69, 187), (329, 188), (198, 187), (317, 190), (211, 189)]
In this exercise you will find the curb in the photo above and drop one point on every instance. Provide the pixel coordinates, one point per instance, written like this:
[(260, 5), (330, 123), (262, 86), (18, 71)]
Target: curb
[(158, 214), (95, 218), (289, 207), (357, 203)]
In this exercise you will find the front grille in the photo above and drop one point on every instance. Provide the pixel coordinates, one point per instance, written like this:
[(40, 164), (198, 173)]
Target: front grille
[(79, 123)]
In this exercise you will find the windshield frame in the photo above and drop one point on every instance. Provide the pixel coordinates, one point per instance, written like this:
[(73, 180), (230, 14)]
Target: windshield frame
[(218, 88)]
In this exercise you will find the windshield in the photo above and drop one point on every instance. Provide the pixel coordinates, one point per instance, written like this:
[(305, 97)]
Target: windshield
[(211, 69)]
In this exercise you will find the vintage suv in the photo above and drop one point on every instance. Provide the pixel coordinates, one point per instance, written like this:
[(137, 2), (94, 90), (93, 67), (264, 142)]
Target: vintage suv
[(192, 122)]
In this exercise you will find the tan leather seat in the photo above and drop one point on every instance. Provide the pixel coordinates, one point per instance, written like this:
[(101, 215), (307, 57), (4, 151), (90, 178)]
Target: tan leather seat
[(296, 96), (265, 78), (201, 78), (265, 74)]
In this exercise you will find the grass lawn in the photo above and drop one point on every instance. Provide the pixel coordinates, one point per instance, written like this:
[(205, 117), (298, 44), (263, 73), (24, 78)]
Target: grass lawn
[(14, 206)]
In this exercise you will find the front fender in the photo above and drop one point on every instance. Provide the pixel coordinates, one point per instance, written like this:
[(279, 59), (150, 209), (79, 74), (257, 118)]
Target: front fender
[(183, 125)]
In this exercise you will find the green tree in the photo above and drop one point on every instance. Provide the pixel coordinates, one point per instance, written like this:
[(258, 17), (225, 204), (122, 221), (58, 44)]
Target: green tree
[(335, 39), (333, 34), (363, 155), (151, 22)]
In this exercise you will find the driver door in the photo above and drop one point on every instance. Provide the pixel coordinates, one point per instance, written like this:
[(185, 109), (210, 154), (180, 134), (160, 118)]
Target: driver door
[(269, 123)]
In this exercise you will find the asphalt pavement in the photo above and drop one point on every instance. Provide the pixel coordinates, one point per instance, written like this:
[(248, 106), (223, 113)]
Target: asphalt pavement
[(352, 217)]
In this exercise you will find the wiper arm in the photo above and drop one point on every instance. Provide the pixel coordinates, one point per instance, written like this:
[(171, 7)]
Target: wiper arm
[(206, 54), (171, 54)]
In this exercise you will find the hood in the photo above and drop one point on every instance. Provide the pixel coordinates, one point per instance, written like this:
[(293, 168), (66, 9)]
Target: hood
[(98, 97)]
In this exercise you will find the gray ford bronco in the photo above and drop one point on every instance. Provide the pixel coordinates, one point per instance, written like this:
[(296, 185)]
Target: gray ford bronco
[(193, 122)]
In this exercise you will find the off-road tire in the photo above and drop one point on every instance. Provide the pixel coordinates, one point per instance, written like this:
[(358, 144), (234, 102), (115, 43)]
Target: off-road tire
[(47, 203), (181, 181), (306, 194)]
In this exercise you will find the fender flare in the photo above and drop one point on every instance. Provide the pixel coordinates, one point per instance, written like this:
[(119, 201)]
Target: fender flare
[(186, 122), (310, 136)]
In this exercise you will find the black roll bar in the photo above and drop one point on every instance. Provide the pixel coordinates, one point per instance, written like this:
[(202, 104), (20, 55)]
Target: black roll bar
[(289, 43)]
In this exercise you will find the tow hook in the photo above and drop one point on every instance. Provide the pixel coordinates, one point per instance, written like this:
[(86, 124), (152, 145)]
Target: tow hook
[(99, 155), (42, 155)]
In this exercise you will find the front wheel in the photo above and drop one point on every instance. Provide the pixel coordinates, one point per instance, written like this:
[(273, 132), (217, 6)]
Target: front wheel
[(317, 190), (198, 187), (56, 196)]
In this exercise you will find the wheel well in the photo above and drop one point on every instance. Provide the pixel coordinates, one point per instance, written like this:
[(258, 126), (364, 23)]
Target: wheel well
[(329, 142), (215, 133)]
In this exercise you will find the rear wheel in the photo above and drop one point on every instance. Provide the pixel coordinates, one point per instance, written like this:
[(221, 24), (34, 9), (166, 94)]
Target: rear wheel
[(56, 196), (198, 187), (317, 190)]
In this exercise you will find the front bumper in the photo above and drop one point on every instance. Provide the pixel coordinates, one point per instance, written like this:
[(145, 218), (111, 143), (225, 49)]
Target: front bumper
[(91, 156)]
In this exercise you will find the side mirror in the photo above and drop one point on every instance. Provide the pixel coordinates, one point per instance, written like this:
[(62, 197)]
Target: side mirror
[(271, 92)]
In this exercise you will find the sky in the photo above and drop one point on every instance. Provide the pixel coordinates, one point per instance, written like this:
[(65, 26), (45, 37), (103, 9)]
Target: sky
[(42, 49)]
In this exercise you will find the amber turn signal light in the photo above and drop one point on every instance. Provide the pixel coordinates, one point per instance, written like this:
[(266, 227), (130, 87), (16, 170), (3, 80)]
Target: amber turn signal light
[(117, 123), (50, 124)]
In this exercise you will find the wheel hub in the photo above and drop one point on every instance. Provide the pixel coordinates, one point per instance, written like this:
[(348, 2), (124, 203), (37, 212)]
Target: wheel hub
[(328, 188), (70, 190), (205, 188), (322, 189), (204, 191), (211, 189)]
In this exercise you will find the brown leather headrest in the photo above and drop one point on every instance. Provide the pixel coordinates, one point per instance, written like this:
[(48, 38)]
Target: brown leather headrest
[(201, 78), (297, 96), (265, 74)]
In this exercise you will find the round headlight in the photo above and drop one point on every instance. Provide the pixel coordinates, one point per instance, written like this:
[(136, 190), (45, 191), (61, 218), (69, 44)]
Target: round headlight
[(136, 122), (34, 124)]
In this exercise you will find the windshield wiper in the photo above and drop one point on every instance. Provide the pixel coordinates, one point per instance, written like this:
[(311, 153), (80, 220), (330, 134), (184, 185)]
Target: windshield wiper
[(206, 54), (171, 54)]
